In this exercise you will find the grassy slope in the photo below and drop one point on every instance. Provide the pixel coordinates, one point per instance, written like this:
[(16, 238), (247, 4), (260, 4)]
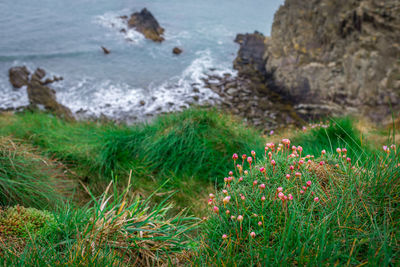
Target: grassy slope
[(191, 149)]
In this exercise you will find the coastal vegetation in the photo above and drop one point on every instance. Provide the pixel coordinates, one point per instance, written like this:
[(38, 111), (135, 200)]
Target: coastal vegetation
[(97, 193)]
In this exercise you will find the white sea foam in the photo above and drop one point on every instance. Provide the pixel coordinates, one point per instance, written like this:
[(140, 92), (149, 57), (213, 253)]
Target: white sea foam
[(122, 101), (112, 20)]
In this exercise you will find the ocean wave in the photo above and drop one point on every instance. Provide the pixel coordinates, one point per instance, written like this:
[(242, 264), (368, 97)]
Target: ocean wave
[(112, 20), (122, 101)]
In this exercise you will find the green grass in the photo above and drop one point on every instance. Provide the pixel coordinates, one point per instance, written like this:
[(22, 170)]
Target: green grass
[(29, 179), (355, 221), (340, 132), (192, 143)]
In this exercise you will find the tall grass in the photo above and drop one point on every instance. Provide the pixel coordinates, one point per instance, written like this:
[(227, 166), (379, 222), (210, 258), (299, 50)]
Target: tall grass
[(191, 143), (115, 229), (27, 178), (347, 215)]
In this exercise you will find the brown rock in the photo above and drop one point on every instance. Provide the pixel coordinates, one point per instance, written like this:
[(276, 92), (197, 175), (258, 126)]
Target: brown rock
[(177, 50), (39, 94), (145, 23), (19, 76), (105, 50)]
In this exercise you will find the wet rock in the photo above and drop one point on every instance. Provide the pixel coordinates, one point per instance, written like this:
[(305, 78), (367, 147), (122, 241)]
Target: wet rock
[(142, 102), (19, 76), (40, 73), (41, 95), (177, 51), (105, 50), (145, 23)]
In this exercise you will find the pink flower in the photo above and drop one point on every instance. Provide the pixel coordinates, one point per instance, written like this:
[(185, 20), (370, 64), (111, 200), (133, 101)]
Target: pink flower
[(230, 173), (297, 174), (291, 167), (338, 150), (316, 199), (253, 153), (224, 236), (344, 150), (308, 183), (322, 163), (273, 162), (301, 162), (299, 148), (216, 209), (211, 196), (225, 192), (279, 189), (286, 141), (240, 218), (323, 152), (255, 183), (235, 156), (287, 176), (259, 223), (244, 156), (242, 197), (233, 217), (226, 179), (262, 186), (290, 197), (301, 192), (249, 160), (281, 195), (246, 172), (262, 170), (294, 148), (348, 160), (252, 234), (227, 212), (210, 201), (304, 188), (226, 199), (240, 179), (263, 198)]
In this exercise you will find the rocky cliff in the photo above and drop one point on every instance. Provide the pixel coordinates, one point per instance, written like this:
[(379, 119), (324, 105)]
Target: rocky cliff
[(335, 56)]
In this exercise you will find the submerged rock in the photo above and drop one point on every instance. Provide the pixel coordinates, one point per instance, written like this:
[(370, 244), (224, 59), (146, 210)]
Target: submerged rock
[(105, 50), (145, 23), (19, 76), (177, 50)]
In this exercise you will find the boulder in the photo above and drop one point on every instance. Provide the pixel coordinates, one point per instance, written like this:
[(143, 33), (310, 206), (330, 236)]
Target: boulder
[(145, 23), (41, 95), (105, 50), (19, 76), (177, 50), (39, 73)]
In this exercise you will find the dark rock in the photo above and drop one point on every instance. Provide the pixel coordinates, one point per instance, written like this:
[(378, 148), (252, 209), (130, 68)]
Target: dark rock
[(123, 17), (250, 57), (40, 95), (105, 50), (177, 50), (19, 76), (335, 57), (145, 23), (142, 102), (122, 30), (40, 73)]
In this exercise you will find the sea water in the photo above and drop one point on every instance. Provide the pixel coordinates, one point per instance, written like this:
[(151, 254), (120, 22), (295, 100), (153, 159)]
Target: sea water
[(139, 78)]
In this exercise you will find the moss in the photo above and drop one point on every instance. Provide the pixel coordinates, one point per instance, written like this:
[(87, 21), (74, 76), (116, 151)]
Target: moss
[(19, 221)]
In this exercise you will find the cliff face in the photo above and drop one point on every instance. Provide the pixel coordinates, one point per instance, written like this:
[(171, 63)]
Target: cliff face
[(336, 56)]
